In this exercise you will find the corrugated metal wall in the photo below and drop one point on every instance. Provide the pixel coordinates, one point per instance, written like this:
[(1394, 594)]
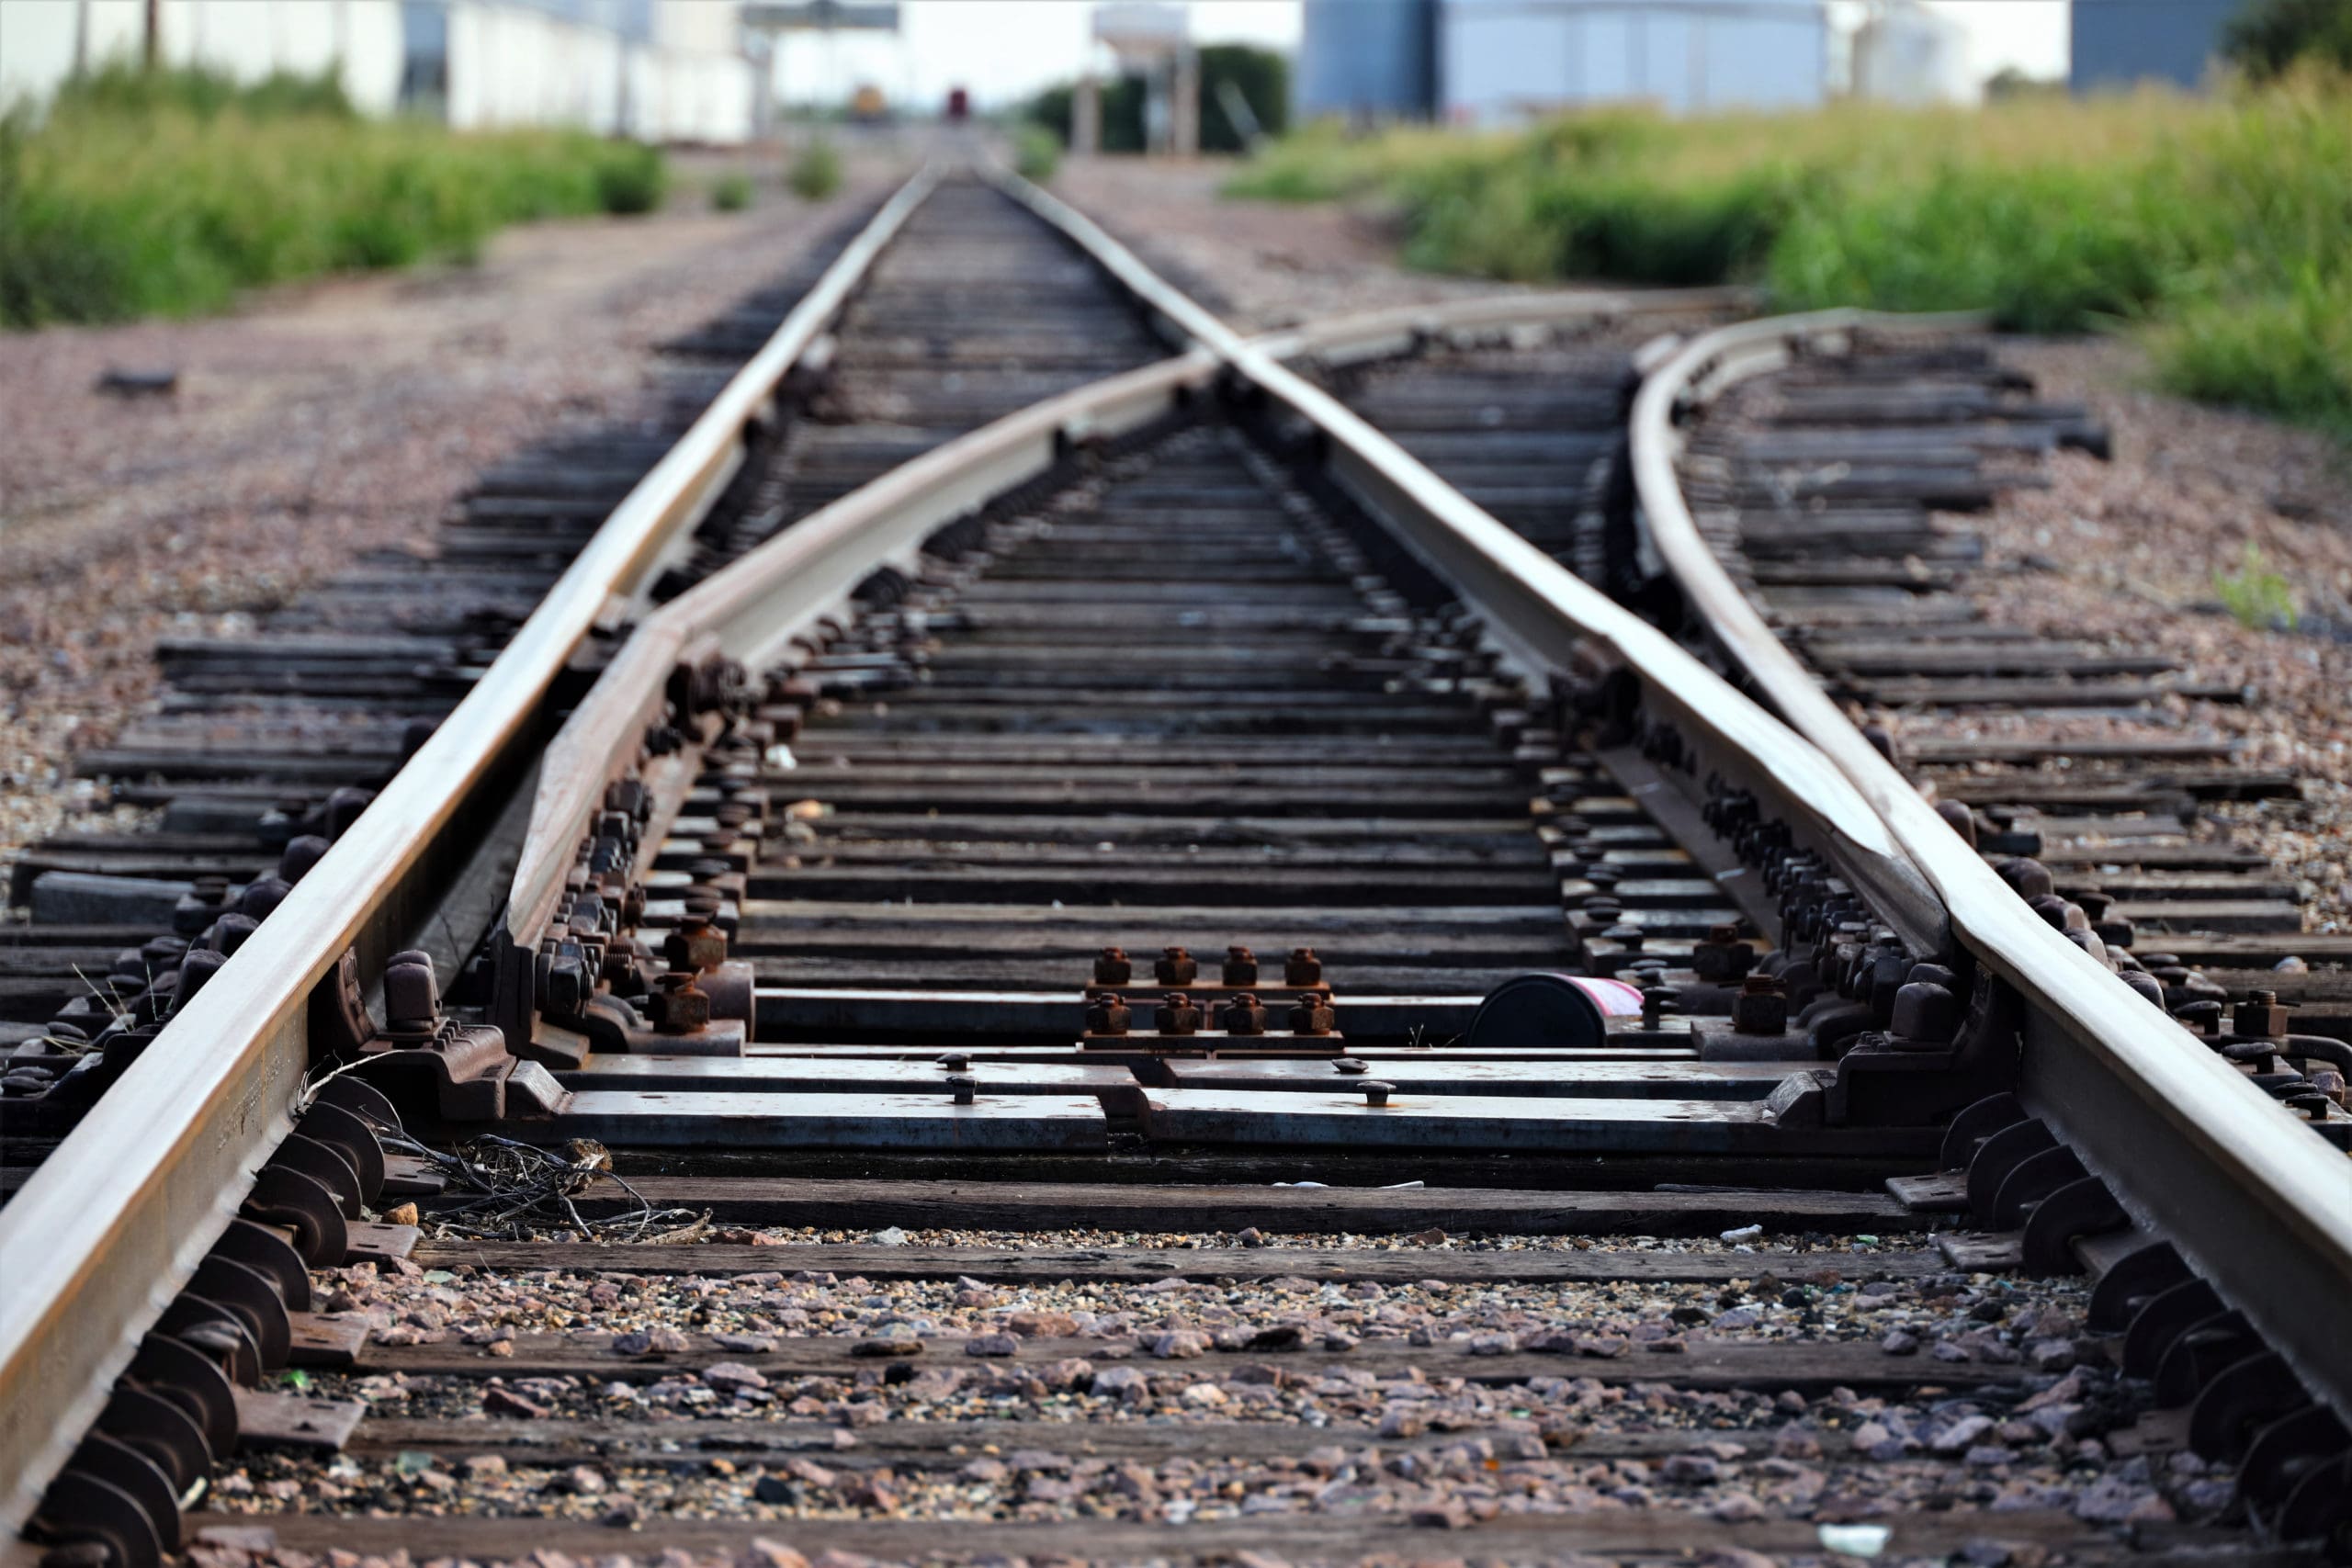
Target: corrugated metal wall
[(2118, 42)]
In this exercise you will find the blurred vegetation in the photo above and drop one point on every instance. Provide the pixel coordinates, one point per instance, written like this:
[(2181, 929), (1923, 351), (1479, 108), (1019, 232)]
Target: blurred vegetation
[(732, 192), (163, 193), (2268, 37), (1035, 153), (816, 171), (2222, 225), (2255, 596), (1261, 75)]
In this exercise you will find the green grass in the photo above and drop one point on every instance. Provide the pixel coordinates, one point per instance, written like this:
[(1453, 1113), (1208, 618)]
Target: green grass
[(2255, 596), (816, 171), (1036, 153), (732, 192), (2221, 227), (167, 195)]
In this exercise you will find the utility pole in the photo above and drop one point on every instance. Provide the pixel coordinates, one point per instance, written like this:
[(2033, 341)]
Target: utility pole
[(152, 47), (1086, 117)]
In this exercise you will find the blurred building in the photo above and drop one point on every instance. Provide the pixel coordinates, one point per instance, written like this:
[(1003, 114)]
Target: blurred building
[(1366, 59), (661, 70), (1905, 53), (2119, 42), (1496, 61)]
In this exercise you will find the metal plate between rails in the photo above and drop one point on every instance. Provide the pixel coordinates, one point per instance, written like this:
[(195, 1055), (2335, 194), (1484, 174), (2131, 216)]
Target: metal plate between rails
[(1508, 1122), (908, 1121), (927, 1056), (802, 1075), (1558, 1079), (788, 1009)]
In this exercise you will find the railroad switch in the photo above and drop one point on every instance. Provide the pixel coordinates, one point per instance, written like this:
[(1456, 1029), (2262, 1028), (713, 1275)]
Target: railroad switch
[(459, 1072)]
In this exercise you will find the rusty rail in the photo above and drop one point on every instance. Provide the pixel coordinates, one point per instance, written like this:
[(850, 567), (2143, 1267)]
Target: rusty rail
[(109, 1228), (1545, 614), (2246, 1194)]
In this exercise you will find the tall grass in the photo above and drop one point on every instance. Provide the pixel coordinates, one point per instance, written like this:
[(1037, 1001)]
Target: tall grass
[(2222, 226), (815, 171), (165, 195)]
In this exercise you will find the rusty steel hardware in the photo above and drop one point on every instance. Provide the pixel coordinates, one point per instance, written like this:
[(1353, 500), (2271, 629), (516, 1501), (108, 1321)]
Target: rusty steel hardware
[(1243, 1014), (678, 1006), (1349, 1065), (1176, 967), (1112, 967), (1177, 1014), (1761, 1006), (1108, 1015), (695, 945), (1312, 1014), (955, 1061), (1376, 1091), (1721, 957), (1241, 967), (1657, 1002), (463, 1072), (1302, 969), (176, 1410), (2262, 1014), (966, 1088)]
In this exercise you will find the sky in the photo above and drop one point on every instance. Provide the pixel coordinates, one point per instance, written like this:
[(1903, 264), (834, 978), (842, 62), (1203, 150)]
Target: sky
[(1014, 47)]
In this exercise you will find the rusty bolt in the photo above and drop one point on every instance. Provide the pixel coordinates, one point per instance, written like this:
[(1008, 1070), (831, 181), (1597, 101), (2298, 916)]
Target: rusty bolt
[(955, 1061), (1721, 957), (1177, 1014), (1243, 1015), (1109, 1015), (695, 945), (1657, 1002), (1176, 967), (1761, 1006), (2260, 1015), (1376, 1091), (1304, 968), (1112, 967), (1348, 1064), (679, 1006), (1241, 967), (1625, 935), (412, 998), (1926, 1010), (966, 1088), (1312, 1015)]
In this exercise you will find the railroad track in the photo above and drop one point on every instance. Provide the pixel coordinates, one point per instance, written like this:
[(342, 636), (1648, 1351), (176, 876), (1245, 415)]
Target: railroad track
[(1064, 829)]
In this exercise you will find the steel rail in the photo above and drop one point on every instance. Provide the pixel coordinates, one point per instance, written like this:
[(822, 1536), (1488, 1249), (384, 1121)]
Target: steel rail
[(1400, 329), (112, 1224), (1545, 614), (2253, 1201), (753, 607)]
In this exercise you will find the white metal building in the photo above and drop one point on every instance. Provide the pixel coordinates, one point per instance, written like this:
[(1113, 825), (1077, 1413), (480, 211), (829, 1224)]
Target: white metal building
[(1905, 53), (660, 70)]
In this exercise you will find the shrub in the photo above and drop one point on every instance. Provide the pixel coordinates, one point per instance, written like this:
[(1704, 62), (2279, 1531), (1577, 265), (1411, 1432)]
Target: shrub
[(2267, 38), (2222, 227), (816, 172), (732, 192), (1035, 153), (138, 197), (631, 177), (2255, 596), (2289, 354)]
